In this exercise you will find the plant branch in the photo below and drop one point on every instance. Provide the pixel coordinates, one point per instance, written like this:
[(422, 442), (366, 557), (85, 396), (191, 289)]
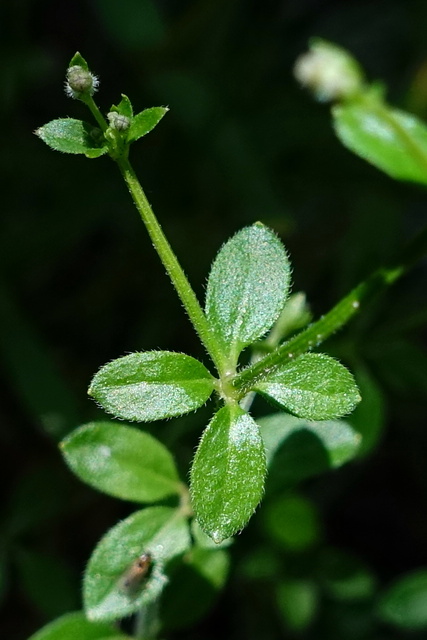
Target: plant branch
[(336, 318), (171, 264)]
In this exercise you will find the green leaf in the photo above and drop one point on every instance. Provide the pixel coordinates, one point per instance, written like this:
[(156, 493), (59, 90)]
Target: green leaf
[(72, 136), (345, 577), (247, 288), (162, 532), (121, 461), (313, 386), (297, 449), (405, 603), (152, 385), (297, 601), (145, 121), (124, 107), (369, 416), (291, 521), (78, 60), (227, 478), (392, 140), (196, 581), (75, 625)]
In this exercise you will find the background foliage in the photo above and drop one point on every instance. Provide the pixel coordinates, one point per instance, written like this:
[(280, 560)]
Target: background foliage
[(80, 285)]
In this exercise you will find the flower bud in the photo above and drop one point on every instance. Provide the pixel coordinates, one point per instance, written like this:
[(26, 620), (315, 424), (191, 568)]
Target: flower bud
[(118, 121), (80, 82), (329, 71)]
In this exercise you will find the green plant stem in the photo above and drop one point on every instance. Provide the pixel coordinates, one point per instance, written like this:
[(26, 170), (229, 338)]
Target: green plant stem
[(147, 622), (171, 264), (337, 317), (90, 102)]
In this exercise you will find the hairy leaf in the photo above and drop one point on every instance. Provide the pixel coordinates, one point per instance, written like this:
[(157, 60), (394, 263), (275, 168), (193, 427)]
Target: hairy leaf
[(72, 136), (247, 288), (152, 385), (109, 592), (227, 478), (313, 386), (121, 461)]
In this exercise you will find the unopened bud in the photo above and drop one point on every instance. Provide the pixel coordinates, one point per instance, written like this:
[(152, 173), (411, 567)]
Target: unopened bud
[(118, 121), (80, 82), (329, 71)]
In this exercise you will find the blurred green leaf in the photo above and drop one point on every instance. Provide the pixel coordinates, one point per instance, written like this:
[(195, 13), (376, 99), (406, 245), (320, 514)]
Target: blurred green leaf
[(297, 601), (297, 449), (75, 626), (368, 417), (144, 122), (392, 140), (121, 461), (345, 577), (227, 477), (71, 136), (404, 604), (160, 531), (291, 520), (193, 587), (247, 288), (313, 386), (31, 367), (151, 385), (48, 582)]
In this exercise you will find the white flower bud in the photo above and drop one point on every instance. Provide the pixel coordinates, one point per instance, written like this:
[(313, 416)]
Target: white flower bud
[(80, 82), (329, 71), (118, 121)]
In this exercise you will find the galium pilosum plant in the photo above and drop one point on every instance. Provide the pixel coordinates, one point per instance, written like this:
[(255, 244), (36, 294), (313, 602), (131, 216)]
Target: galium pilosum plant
[(248, 306)]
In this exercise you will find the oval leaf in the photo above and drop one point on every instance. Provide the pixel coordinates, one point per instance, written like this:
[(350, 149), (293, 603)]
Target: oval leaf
[(405, 603), (75, 625), (71, 136), (161, 532), (152, 385), (392, 140), (227, 478), (297, 449), (247, 288), (313, 386), (145, 121), (121, 461)]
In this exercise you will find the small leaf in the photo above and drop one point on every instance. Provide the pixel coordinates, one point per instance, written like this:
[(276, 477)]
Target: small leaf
[(161, 532), (78, 60), (313, 386), (75, 625), (145, 121), (392, 140), (405, 603), (72, 136), (297, 601), (291, 521), (121, 461), (247, 288), (124, 107), (297, 449), (227, 478), (152, 385)]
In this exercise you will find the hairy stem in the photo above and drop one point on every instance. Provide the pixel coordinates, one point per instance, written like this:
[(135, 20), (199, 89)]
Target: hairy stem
[(171, 264)]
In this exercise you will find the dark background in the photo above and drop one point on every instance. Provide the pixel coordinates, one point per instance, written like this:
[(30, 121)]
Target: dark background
[(80, 283)]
